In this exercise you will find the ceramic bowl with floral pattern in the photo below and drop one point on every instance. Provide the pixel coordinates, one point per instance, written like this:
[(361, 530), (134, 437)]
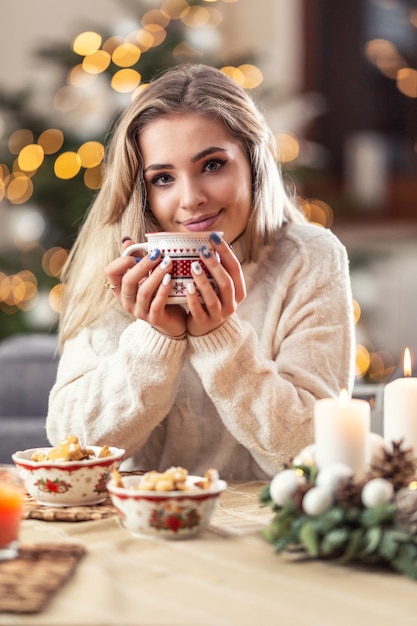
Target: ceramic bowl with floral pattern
[(165, 514), (67, 483)]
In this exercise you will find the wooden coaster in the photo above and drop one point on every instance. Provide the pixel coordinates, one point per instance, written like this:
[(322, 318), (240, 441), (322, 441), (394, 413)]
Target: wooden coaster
[(33, 510), (28, 582)]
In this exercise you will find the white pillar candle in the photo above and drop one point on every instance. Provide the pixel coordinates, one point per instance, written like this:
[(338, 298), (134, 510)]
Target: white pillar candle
[(341, 428), (400, 408)]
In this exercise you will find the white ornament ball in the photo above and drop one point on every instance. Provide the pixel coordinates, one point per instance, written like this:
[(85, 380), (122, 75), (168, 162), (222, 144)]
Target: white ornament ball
[(284, 485), (317, 500), (376, 447), (307, 456), (376, 492), (331, 475)]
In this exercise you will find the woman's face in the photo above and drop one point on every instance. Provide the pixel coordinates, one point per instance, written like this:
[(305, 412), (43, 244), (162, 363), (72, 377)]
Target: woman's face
[(197, 176)]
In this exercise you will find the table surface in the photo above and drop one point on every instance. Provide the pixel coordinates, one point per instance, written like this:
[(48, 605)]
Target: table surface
[(229, 575)]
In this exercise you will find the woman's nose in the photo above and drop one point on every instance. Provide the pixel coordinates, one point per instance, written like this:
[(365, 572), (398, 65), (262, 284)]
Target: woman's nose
[(192, 195)]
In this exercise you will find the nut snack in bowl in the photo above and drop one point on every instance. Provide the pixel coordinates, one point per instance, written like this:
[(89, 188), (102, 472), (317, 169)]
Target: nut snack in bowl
[(170, 505), (68, 475)]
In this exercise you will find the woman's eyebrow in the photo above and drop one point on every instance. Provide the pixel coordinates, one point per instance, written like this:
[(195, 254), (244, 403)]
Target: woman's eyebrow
[(194, 159), (158, 166), (206, 152)]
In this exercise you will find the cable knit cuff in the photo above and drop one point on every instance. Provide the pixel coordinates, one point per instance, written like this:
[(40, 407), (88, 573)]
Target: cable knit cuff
[(148, 339), (230, 331)]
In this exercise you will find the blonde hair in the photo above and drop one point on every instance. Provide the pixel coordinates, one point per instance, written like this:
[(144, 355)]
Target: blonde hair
[(120, 207)]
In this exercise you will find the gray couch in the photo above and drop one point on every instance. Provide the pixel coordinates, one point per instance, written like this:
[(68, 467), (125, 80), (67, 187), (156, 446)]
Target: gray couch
[(28, 364)]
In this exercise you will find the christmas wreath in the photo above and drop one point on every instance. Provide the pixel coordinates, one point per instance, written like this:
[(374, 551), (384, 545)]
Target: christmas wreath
[(328, 514)]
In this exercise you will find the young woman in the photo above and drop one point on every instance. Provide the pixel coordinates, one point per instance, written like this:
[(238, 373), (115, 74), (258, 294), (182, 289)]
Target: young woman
[(229, 382)]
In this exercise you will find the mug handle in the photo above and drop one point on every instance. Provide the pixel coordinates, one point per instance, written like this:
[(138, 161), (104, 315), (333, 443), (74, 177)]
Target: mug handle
[(135, 247)]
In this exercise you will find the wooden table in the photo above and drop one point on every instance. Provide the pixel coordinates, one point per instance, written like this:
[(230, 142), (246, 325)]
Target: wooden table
[(227, 576)]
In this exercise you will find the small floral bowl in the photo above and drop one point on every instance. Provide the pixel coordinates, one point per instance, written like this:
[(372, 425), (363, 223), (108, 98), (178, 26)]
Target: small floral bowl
[(67, 483), (165, 514)]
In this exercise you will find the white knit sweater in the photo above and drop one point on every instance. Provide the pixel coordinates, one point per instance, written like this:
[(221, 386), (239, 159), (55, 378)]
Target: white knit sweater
[(240, 398)]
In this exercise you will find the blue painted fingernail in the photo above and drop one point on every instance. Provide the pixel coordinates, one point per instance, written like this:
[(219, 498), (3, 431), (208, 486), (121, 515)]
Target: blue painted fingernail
[(205, 251), (215, 237), (196, 267), (154, 254), (138, 259)]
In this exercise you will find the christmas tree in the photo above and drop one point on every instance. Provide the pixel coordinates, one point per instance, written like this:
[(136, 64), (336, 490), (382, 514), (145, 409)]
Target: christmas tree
[(51, 158)]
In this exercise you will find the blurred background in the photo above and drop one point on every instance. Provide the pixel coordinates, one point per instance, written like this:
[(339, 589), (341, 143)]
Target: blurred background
[(336, 80)]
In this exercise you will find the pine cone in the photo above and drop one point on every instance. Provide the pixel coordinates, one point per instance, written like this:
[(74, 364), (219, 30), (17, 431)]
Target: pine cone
[(348, 492), (300, 493), (398, 466), (406, 515)]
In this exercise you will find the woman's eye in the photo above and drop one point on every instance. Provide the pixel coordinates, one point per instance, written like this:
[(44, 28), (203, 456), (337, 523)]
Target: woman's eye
[(161, 179), (214, 164)]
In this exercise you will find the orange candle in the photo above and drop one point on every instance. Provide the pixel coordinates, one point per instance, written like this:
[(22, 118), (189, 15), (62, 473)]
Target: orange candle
[(10, 513), (11, 502)]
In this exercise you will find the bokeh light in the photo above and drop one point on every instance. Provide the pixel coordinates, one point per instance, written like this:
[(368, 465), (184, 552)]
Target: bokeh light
[(248, 76), (126, 55), (375, 366), (96, 62), (93, 177), (363, 360), (288, 147), (31, 157), (86, 43), (17, 290), (19, 139), (19, 188), (27, 225), (91, 153), (125, 80), (51, 140), (55, 298), (67, 165), (380, 367), (385, 56), (53, 261), (356, 311), (407, 82), (317, 211)]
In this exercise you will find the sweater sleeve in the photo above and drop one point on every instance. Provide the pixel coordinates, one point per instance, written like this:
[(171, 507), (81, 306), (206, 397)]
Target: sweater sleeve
[(114, 389), (264, 391)]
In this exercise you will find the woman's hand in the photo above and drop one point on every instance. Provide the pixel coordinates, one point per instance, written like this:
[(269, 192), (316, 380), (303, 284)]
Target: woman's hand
[(231, 289), (145, 295)]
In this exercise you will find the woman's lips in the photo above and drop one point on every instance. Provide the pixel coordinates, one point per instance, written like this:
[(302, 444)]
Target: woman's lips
[(203, 223)]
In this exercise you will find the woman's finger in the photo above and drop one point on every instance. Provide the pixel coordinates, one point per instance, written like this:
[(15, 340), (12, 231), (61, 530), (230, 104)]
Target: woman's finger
[(116, 271), (124, 273), (231, 264)]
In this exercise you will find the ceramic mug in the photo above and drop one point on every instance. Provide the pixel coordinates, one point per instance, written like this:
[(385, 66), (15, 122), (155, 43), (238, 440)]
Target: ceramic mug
[(183, 248)]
